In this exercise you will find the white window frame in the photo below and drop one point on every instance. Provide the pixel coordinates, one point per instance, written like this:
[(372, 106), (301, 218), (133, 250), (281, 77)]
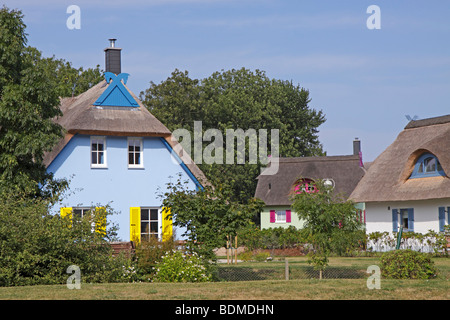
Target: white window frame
[(83, 212), (141, 153), (158, 220), (281, 212), (105, 163)]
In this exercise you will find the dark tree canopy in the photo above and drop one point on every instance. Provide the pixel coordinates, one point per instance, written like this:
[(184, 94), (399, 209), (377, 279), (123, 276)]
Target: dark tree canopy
[(236, 99), (30, 87)]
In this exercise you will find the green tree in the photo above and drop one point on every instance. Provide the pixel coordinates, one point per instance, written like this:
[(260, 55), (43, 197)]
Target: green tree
[(69, 81), (236, 99), (207, 215), (27, 105), (37, 247), (326, 215), (30, 87)]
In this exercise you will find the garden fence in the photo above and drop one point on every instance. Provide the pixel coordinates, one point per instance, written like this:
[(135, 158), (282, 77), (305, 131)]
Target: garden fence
[(284, 270)]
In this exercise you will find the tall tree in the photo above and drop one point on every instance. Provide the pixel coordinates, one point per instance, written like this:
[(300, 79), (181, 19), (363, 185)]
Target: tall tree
[(28, 102), (326, 215), (236, 99)]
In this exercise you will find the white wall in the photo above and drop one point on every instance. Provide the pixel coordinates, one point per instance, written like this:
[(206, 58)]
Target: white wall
[(426, 214)]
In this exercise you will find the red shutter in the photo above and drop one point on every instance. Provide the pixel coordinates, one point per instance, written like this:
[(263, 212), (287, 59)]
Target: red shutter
[(272, 216), (288, 215)]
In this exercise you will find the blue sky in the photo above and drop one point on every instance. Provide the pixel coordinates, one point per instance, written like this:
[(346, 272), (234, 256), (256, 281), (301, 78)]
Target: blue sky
[(365, 81)]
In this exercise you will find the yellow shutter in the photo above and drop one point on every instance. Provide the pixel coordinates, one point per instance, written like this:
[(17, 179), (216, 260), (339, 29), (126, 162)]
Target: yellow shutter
[(135, 224), (167, 229), (66, 212), (100, 220)]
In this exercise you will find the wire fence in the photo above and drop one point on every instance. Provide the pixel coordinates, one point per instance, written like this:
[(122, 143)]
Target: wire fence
[(285, 271)]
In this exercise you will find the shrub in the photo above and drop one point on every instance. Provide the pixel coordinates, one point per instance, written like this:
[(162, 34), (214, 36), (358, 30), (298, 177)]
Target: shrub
[(149, 253), (178, 267), (407, 264), (37, 247), (261, 256)]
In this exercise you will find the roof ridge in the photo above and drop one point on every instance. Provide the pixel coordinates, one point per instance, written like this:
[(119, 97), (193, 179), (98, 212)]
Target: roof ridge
[(428, 122), (319, 158)]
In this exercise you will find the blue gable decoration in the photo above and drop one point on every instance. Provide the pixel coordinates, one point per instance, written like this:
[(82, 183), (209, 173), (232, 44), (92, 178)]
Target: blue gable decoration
[(116, 95)]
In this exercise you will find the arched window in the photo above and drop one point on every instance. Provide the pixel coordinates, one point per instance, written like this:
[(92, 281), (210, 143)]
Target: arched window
[(427, 166), (305, 185)]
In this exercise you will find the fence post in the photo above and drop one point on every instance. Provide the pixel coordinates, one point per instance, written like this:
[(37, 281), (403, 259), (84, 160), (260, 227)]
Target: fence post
[(286, 269)]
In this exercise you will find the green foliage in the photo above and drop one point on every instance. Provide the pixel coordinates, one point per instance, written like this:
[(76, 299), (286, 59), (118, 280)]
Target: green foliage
[(28, 103), (37, 247), (148, 254), (67, 80), (238, 99), (344, 243), (30, 87), (261, 256), (328, 216), (318, 260), (175, 266), (407, 264), (254, 238), (207, 215)]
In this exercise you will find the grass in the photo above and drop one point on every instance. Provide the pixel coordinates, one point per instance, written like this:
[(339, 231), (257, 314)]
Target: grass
[(304, 289)]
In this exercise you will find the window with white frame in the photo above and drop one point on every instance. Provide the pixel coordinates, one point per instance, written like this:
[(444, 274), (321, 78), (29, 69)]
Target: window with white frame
[(135, 156), (78, 214), (281, 216), (149, 223), (98, 152)]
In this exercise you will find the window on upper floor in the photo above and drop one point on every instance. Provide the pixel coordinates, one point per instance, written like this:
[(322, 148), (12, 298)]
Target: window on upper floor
[(135, 156), (305, 185), (98, 152), (427, 166)]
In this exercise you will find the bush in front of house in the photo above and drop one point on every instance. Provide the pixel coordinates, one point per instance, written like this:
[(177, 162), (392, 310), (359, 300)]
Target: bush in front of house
[(148, 254), (37, 247), (175, 266), (407, 264), (342, 243)]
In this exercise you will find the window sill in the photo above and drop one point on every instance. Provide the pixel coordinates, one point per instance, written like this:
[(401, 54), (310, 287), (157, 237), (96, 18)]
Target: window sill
[(99, 167), (136, 167)]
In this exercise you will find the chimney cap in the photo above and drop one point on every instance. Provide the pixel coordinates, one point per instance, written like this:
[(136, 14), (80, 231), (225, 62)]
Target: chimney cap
[(112, 42)]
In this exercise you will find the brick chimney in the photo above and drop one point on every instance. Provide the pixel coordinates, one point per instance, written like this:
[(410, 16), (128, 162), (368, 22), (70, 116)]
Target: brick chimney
[(357, 151), (356, 147), (112, 58)]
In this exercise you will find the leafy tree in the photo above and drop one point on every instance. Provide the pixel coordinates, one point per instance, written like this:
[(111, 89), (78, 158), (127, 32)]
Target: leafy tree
[(27, 105), (208, 216), (326, 215), (37, 247), (69, 81), (30, 87), (238, 99)]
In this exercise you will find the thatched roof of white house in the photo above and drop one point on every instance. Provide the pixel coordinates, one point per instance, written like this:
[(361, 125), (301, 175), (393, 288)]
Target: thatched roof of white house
[(387, 179)]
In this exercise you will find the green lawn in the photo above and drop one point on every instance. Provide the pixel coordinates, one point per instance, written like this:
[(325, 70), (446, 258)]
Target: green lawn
[(305, 289)]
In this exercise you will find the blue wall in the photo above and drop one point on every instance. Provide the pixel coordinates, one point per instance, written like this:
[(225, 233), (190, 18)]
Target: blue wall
[(117, 185)]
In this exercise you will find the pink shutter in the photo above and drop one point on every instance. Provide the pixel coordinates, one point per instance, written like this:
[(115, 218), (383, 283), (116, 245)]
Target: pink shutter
[(272, 216), (288, 215)]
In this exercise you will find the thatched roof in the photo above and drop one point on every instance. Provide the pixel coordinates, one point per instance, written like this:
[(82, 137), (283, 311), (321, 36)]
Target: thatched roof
[(387, 179), (82, 117), (276, 189)]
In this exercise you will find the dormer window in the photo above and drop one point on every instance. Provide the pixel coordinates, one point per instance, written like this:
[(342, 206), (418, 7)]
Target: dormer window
[(427, 166), (305, 185)]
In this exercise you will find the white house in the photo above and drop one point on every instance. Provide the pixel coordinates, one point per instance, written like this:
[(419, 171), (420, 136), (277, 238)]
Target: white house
[(408, 185)]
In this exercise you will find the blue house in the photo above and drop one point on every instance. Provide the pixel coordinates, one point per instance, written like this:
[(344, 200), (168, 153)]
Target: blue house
[(116, 152)]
